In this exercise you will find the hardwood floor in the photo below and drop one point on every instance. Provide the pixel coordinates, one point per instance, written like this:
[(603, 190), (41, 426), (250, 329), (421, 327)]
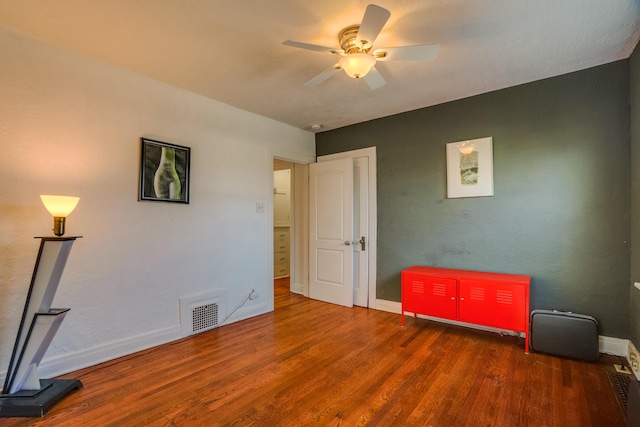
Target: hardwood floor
[(315, 364)]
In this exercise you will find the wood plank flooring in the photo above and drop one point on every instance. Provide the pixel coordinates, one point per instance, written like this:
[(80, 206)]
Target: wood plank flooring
[(315, 364)]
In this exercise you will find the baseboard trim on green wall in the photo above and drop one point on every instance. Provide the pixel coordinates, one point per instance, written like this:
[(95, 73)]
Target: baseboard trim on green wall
[(608, 345), (612, 345), (390, 306)]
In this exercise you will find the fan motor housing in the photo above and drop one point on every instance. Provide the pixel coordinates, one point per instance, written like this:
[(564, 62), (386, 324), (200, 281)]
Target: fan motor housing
[(347, 38)]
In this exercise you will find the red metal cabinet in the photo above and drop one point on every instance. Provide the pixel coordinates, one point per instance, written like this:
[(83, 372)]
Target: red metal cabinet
[(497, 304), (432, 296), (495, 300)]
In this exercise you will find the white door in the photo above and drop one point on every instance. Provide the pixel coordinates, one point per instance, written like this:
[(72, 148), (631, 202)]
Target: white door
[(361, 224), (331, 231)]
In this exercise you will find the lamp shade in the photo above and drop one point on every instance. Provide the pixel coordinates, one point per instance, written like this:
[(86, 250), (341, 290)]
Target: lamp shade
[(60, 206), (357, 65)]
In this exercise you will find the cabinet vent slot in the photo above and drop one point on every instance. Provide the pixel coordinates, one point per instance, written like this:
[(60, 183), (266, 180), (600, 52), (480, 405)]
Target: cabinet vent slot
[(504, 297), (476, 294), (417, 287), (439, 289)]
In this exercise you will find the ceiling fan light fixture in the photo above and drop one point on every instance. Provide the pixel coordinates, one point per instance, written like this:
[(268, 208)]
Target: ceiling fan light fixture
[(357, 65)]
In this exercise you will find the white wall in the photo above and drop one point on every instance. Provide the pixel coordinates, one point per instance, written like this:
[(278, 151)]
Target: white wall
[(72, 125)]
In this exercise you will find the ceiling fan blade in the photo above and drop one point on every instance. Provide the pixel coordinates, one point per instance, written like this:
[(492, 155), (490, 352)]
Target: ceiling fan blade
[(310, 46), (329, 72), (374, 79), (372, 22), (407, 53)]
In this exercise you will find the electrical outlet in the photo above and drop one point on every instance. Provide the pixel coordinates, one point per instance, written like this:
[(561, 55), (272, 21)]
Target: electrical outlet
[(259, 207), (622, 369), (253, 294), (634, 360)]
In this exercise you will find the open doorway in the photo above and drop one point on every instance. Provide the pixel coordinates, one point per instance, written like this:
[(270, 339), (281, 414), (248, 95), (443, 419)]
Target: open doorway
[(364, 268), (363, 241), (290, 223), (281, 218)]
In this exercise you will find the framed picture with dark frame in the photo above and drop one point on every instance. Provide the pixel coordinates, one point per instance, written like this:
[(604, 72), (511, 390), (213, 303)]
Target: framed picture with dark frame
[(164, 172)]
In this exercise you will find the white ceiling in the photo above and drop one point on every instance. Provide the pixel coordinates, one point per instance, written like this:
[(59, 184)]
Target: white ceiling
[(231, 50)]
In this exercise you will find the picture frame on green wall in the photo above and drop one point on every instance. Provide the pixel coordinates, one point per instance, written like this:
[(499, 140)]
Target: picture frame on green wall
[(470, 168)]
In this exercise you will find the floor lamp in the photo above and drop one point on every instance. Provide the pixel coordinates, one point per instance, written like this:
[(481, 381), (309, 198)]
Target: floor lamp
[(24, 394)]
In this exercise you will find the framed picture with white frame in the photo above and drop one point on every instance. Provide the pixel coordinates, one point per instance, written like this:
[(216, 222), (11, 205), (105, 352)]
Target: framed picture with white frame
[(470, 168)]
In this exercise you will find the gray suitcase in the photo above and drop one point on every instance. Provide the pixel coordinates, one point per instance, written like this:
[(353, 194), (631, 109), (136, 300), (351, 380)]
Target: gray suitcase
[(564, 334)]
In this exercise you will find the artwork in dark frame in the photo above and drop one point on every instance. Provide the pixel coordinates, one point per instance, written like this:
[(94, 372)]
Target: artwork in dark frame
[(164, 172)]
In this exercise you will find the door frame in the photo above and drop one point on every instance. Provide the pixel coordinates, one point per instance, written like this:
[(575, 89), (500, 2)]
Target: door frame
[(273, 153)]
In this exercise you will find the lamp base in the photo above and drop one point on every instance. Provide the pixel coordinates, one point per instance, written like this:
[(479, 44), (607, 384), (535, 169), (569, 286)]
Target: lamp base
[(58, 225), (36, 403)]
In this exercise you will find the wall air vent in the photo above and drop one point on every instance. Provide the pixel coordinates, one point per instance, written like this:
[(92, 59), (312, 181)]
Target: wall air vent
[(201, 312), (204, 317)]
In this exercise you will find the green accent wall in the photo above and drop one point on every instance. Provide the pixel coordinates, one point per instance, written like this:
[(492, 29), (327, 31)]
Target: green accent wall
[(634, 325), (560, 213)]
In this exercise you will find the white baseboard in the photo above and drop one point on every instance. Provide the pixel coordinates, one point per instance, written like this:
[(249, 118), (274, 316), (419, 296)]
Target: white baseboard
[(468, 325), (69, 362), (246, 312), (616, 346), (608, 345), (390, 306), (65, 363), (297, 288)]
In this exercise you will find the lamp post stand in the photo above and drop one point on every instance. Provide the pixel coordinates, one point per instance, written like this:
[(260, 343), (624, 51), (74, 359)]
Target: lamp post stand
[(24, 394)]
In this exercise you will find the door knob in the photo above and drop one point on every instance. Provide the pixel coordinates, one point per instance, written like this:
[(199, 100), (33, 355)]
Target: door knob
[(361, 241), (347, 242)]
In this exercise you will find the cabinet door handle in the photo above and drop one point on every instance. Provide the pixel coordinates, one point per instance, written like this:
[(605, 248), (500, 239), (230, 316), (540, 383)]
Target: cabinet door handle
[(453, 298), (461, 299)]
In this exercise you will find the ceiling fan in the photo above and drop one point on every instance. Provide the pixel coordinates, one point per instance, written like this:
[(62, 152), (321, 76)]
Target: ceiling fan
[(357, 59)]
